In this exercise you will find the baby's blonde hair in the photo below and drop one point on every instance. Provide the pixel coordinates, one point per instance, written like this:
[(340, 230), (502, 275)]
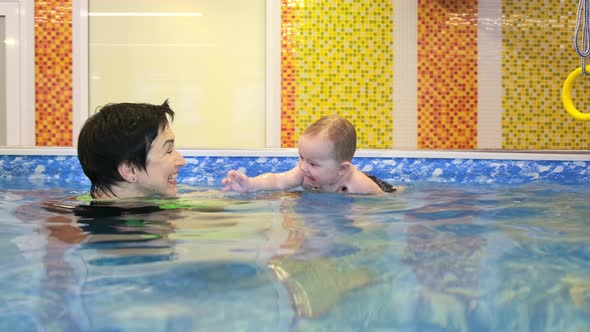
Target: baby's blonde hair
[(338, 130)]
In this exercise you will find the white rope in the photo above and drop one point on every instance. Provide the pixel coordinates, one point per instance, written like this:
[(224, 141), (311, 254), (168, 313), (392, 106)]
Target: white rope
[(583, 24)]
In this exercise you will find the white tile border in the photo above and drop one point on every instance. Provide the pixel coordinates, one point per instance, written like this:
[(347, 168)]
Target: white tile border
[(582, 155), (405, 78), (80, 66), (489, 77)]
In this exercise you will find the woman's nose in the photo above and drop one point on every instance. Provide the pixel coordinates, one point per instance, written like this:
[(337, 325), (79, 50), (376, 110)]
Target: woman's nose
[(181, 160)]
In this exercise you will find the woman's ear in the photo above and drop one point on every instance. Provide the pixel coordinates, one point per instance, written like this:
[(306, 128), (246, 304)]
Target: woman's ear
[(127, 171), (343, 168)]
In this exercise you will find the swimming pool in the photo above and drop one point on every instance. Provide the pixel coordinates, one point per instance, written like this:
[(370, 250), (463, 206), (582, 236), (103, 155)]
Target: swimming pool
[(478, 242)]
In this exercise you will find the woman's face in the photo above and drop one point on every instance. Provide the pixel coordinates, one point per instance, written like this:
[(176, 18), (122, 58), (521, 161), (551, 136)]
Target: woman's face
[(162, 165)]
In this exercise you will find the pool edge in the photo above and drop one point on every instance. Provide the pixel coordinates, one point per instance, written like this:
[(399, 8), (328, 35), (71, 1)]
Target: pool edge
[(557, 155)]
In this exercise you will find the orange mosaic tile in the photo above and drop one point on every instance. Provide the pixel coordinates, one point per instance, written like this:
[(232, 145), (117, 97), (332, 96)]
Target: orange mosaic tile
[(287, 74), (53, 73), (447, 74)]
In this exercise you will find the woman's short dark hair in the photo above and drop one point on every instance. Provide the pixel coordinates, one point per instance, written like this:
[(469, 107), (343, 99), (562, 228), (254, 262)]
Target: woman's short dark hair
[(118, 133)]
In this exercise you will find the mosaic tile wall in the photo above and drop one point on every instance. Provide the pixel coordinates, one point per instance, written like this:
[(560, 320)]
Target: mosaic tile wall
[(288, 91), (537, 56), (53, 72), (447, 74), (338, 58)]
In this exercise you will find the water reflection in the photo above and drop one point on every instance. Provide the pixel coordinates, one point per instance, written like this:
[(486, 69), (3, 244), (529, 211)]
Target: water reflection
[(134, 252), (436, 258), (444, 249), (317, 264), (74, 233), (383, 262)]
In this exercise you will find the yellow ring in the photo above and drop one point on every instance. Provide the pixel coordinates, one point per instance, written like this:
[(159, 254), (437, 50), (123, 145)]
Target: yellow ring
[(566, 95)]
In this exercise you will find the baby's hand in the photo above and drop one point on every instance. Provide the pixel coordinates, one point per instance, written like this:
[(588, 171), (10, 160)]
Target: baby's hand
[(236, 181)]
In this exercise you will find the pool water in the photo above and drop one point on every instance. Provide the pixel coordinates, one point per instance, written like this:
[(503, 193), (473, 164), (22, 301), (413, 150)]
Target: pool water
[(438, 257)]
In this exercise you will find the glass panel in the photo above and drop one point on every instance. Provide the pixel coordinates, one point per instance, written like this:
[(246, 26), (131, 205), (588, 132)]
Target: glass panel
[(207, 57)]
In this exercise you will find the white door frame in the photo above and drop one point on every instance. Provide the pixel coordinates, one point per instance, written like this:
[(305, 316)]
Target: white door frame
[(80, 54), (273, 70), (20, 71), (273, 74)]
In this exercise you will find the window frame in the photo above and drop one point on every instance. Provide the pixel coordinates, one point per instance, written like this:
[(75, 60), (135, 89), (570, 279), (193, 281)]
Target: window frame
[(272, 70)]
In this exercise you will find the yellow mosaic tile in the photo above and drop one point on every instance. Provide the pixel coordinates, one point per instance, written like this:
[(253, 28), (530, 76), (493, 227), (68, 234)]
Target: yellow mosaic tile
[(537, 56), (343, 63)]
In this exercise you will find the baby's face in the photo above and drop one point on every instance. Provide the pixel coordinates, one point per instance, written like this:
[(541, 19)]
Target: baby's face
[(317, 160)]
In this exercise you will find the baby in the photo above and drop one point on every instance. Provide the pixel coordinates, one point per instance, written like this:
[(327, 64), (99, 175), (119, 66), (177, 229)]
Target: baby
[(326, 149)]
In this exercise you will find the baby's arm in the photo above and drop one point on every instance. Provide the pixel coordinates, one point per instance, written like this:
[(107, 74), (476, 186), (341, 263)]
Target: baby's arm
[(236, 181)]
